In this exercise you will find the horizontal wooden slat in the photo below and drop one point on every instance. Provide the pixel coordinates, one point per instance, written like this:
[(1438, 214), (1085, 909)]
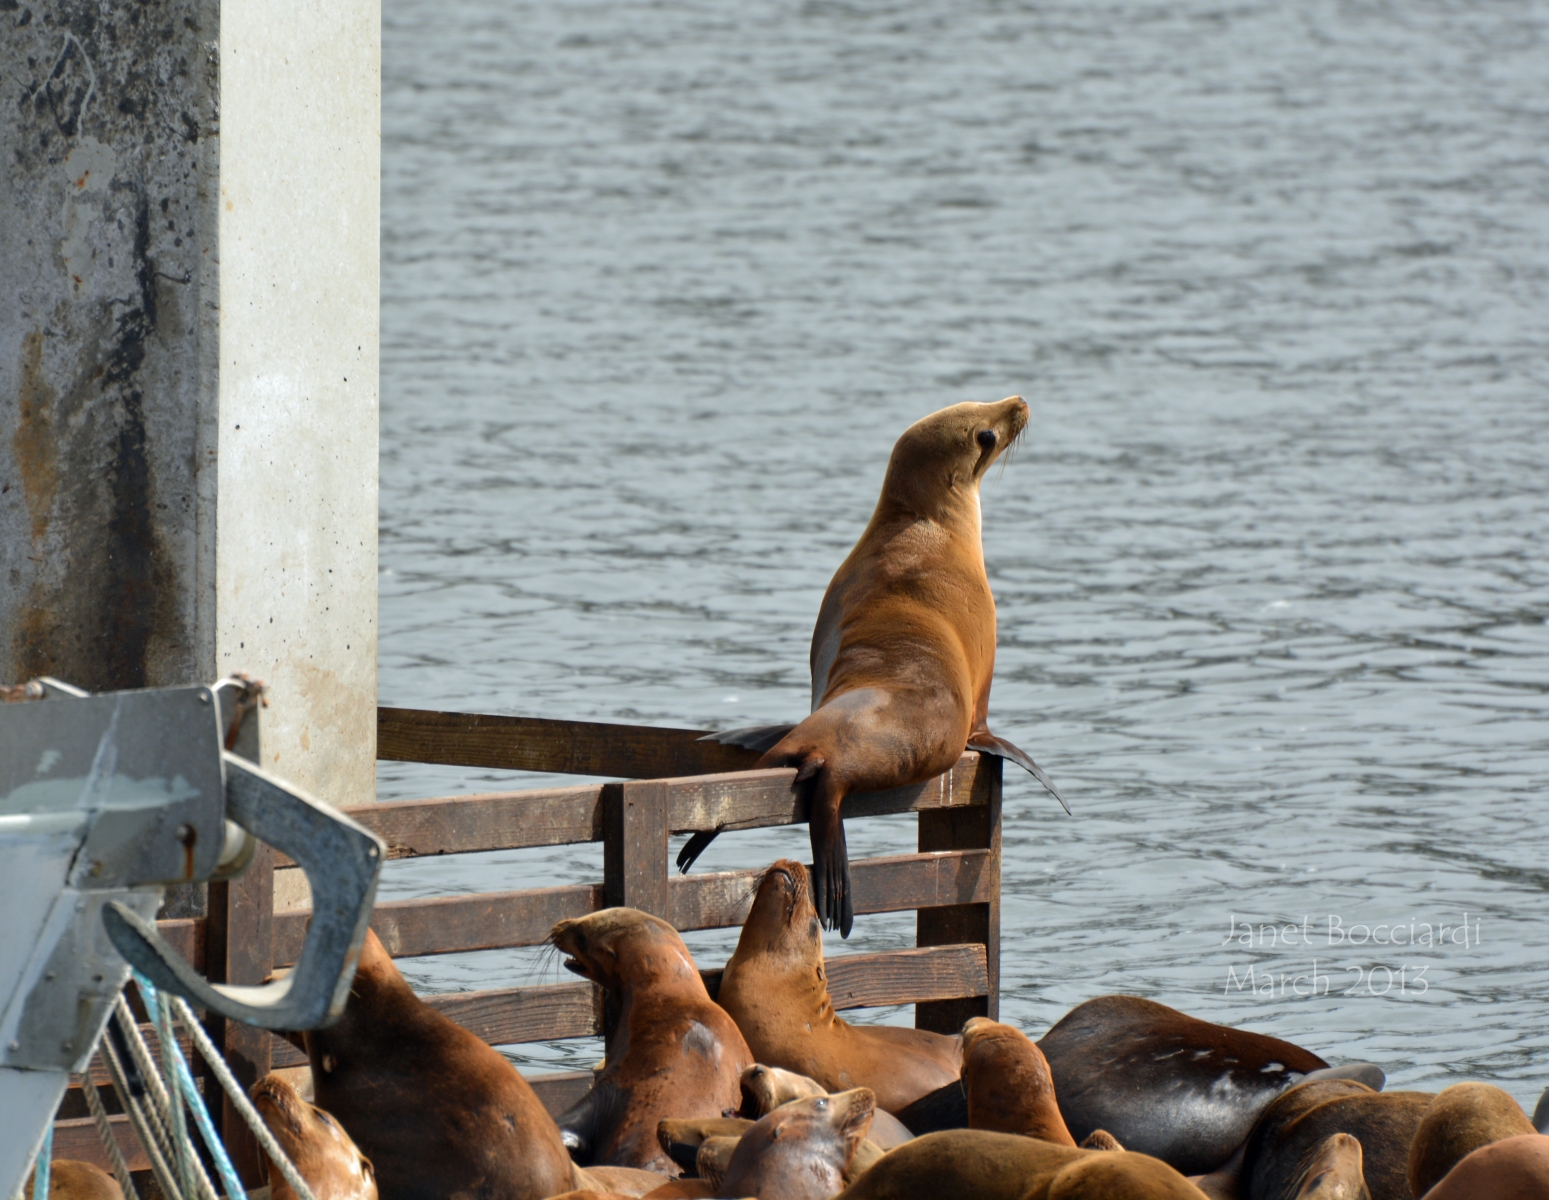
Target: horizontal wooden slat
[(500, 920), (561, 1089), (754, 799), (503, 1016), (77, 1138), (482, 821), (186, 936), (905, 881), (561, 747), (899, 976), (453, 924)]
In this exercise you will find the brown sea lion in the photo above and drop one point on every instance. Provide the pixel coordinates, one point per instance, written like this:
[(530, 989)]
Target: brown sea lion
[(681, 1139), (1461, 1119), (1100, 1139), (1289, 1131), (322, 1152), (766, 1088), (1004, 1166), (1334, 1171), (1007, 1081), (674, 1051), (775, 989), (904, 647), (71, 1179), (1515, 1168), (802, 1150), (626, 1181), (435, 1109)]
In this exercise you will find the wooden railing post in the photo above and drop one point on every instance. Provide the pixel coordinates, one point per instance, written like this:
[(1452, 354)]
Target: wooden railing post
[(634, 857), (972, 828)]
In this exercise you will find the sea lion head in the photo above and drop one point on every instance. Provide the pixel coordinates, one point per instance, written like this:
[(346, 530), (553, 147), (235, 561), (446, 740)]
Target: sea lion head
[(937, 464), (1333, 1171), (326, 1158), (621, 947), (802, 1150), (783, 923), (765, 1089)]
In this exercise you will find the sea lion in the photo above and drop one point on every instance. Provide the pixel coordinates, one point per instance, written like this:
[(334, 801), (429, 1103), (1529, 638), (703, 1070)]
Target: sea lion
[(1297, 1122), (775, 989), (625, 1181), (1159, 1081), (323, 1154), (801, 1151), (904, 647), (1007, 1081), (71, 1179), (674, 1051), (435, 1109), (1461, 1119), (766, 1088), (1515, 1168), (1007, 1166), (1334, 1171), (681, 1139)]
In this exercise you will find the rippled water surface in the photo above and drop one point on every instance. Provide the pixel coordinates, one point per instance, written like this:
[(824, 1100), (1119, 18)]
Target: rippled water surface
[(662, 284)]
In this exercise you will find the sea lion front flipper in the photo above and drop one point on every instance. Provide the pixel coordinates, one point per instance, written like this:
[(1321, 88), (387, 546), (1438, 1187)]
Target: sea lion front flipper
[(987, 743), (945, 1108), (1368, 1073), (694, 847), (1541, 1113), (750, 737), (583, 1125)]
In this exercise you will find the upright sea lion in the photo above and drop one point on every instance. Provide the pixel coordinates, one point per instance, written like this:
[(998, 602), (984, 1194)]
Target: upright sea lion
[(323, 1154), (1516, 1168), (1006, 1166), (1461, 1119), (1297, 1122), (1008, 1084), (71, 1179), (775, 989), (436, 1110), (674, 1051), (904, 647), (802, 1150)]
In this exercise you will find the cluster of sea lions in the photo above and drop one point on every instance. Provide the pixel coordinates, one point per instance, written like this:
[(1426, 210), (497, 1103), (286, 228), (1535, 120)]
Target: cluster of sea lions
[(763, 1091)]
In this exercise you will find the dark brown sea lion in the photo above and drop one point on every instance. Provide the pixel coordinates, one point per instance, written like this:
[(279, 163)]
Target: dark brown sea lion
[(435, 1109), (904, 647), (322, 1152), (1513, 1169), (681, 1139), (766, 1088), (1004, 1166), (1159, 1081), (775, 989), (1165, 1083), (1461, 1119), (802, 1150), (70, 1179), (1296, 1123), (1008, 1084), (673, 1053)]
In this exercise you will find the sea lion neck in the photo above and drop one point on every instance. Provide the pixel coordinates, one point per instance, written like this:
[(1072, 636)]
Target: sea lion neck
[(782, 922)]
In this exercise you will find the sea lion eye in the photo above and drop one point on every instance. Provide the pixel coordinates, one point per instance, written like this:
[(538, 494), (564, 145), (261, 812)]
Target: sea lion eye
[(822, 1104), (986, 439)]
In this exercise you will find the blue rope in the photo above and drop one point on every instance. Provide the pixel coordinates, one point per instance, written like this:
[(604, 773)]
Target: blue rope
[(45, 1158), (185, 1081)]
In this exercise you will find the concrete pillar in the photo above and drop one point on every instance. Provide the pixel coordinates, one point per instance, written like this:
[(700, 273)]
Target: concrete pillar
[(188, 357)]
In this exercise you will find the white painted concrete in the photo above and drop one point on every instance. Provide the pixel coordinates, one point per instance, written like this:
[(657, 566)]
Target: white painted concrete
[(296, 444)]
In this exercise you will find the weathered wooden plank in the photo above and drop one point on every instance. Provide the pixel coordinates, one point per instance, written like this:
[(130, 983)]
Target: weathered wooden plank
[(186, 935), (753, 799), (561, 1089), (77, 1138), (483, 821), (503, 1016), (539, 744), (893, 884), (453, 924), (501, 920)]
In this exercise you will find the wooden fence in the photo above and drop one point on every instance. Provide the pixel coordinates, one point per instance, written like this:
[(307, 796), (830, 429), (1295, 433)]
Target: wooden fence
[(673, 783)]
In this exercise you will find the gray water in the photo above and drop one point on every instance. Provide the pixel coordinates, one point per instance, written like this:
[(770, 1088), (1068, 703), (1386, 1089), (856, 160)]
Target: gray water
[(663, 282)]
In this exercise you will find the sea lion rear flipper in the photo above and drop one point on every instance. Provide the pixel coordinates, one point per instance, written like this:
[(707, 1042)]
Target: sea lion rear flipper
[(1541, 1113), (750, 737), (694, 847), (583, 1125), (987, 743), (830, 864)]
